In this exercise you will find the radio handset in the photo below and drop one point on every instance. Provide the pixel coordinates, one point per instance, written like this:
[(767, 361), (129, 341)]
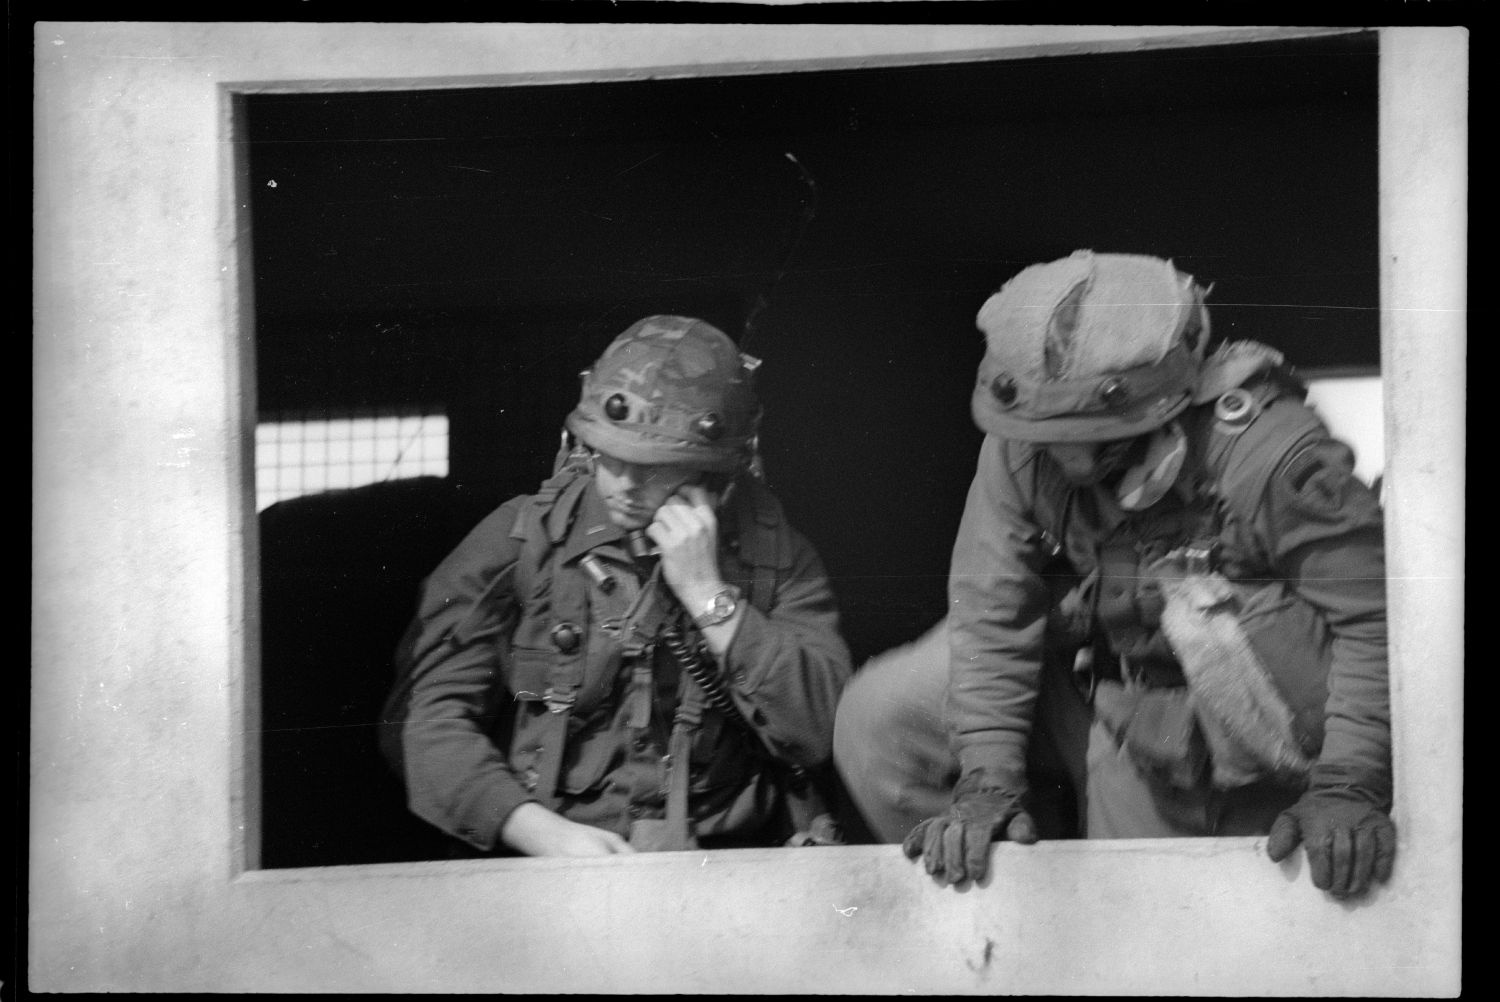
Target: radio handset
[(814, 822), (687, 656), (640, 546), (722, 491)]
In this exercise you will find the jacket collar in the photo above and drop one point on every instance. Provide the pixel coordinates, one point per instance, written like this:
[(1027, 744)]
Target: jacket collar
[(591, 527)]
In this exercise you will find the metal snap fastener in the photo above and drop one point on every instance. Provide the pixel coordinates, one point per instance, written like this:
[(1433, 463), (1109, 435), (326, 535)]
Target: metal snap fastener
[(1003, 388), (1235, 407), (566, 637), (710, 426), (1114, 391)]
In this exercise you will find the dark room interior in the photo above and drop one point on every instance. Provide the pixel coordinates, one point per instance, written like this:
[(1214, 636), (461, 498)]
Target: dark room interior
[(469, 250)]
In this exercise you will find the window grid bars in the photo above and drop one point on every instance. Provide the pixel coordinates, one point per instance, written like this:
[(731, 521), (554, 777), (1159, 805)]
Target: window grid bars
[(307, 453)]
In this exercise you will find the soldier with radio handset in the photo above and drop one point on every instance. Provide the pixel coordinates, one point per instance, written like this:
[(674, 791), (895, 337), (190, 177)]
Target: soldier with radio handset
[(643, 655)]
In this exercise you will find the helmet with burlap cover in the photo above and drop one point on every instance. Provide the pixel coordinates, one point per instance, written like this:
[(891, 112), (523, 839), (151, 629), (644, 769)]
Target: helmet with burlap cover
[(670, 390), (1089, 348)]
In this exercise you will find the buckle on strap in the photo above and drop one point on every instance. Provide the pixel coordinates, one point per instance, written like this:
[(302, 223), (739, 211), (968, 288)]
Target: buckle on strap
[(558, 701), (1201, 556)]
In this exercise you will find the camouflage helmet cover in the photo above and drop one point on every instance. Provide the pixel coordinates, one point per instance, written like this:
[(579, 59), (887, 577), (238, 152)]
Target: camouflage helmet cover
[(1089, 348), (670, 390)]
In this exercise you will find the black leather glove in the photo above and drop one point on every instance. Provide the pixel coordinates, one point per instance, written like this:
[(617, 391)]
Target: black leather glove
[(1349, 837), (957, 844)]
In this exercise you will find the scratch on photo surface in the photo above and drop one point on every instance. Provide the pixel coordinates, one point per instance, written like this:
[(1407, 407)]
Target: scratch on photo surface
[(641, 163)]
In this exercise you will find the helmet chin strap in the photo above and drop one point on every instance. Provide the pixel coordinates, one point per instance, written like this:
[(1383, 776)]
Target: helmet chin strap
[(1148, 481), (572, 453)]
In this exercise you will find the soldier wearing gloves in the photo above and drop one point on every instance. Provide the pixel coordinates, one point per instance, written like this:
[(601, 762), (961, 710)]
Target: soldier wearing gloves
[(643, 655), (1166, 573)]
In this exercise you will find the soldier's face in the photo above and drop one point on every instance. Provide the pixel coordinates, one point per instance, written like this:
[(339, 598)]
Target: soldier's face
[(633, 491), (1087, 463)]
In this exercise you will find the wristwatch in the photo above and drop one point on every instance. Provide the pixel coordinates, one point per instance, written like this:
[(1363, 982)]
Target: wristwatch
[(720, 608)]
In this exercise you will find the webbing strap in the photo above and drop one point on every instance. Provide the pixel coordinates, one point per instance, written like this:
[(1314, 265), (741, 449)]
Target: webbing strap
[(762, 586), (762, 543), (550, 755), (679, 758), (638, 697), (543, 524), (570, 598)]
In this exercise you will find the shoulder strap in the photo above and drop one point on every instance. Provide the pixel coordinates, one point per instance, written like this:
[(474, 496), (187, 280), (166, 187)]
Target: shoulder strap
[(552, 507), (1051, 501), (1241, 457), (535, 529), (542, 524), (763, 540), (1249, 417)]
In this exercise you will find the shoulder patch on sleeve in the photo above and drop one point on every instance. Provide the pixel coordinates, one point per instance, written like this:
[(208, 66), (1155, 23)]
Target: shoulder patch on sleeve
[(1318, 477)]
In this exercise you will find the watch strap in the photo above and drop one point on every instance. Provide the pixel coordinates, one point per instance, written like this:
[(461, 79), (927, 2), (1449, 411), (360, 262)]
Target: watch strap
[(720, 608)]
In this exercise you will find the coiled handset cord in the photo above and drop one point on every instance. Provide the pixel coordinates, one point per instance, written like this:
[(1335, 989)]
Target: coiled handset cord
[(689, 657), (813, 822), (690, 660)]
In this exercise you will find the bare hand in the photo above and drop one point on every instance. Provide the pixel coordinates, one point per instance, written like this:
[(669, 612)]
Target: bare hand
[(686, 531), (536, 831)]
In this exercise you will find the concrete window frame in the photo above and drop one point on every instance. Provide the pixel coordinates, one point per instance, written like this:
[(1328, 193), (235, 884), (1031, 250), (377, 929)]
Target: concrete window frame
[(141, 872)]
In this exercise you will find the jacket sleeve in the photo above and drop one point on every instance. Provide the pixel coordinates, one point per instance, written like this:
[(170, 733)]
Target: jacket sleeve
[(1327, 541), (997, 616), (787, 667), (456, 778)]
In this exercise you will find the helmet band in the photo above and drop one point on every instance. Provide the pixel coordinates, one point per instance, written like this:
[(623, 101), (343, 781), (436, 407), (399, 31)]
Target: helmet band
[(1110, 393), (1098, 408)]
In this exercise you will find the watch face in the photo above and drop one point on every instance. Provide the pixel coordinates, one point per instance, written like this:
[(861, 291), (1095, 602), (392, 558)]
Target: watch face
[(720, 608)]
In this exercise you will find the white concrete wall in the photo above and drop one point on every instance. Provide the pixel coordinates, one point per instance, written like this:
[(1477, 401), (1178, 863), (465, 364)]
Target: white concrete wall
[(138, 874)]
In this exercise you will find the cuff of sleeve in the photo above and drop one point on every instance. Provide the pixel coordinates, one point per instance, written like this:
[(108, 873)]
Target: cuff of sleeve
[(1353, 782), (997, 761), (1355, 763), (479, 821)]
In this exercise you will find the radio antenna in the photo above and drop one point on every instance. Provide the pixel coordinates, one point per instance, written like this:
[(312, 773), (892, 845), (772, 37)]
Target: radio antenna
[(809, 210)]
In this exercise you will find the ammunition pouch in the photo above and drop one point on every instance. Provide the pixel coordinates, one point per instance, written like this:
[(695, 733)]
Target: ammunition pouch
[(1158, 728)]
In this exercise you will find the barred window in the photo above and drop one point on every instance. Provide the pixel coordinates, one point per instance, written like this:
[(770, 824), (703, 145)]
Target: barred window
[(306, 453)]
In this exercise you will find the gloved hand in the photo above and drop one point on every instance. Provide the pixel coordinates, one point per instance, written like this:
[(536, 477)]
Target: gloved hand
[(957, 844), (1348, 837)]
